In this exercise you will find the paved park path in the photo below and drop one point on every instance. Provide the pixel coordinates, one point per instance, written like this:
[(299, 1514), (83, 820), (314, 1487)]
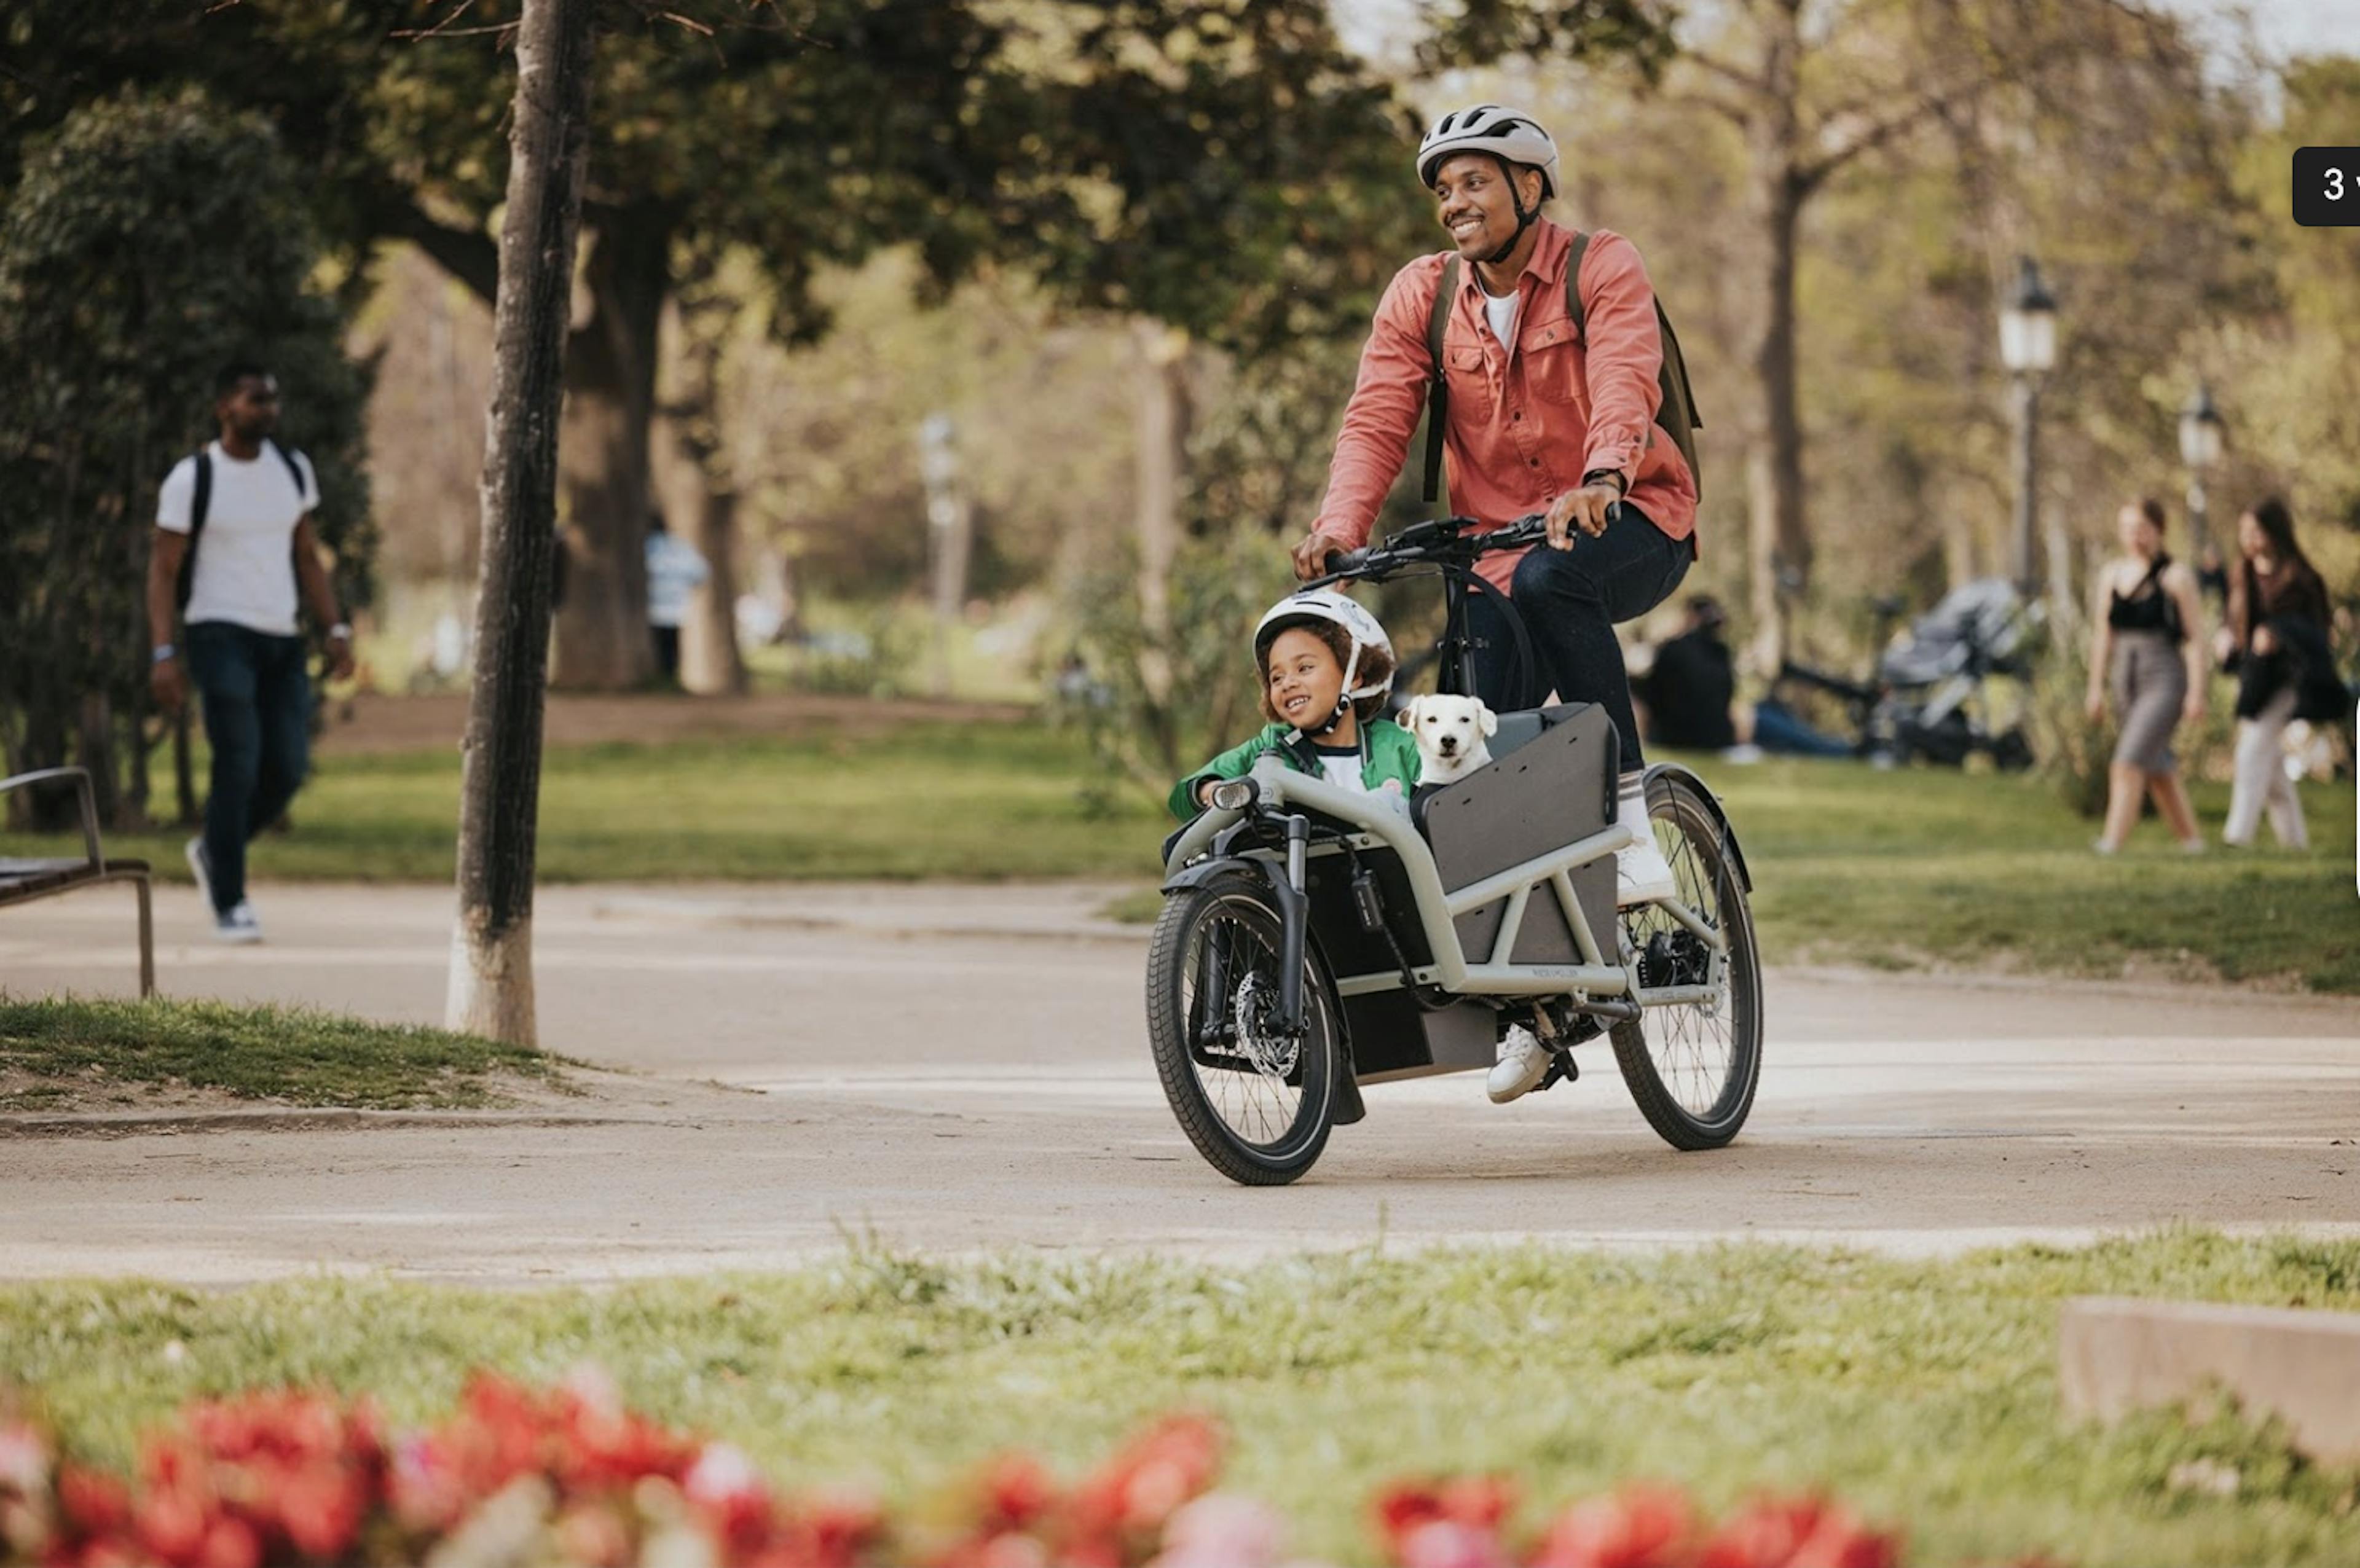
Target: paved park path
[(963, 1069)]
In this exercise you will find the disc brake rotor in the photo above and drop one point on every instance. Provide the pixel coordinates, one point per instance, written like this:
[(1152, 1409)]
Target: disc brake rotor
[(1254, 1017)]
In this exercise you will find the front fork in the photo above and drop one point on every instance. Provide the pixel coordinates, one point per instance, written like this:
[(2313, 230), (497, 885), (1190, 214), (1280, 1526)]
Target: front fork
[(1294, 915)]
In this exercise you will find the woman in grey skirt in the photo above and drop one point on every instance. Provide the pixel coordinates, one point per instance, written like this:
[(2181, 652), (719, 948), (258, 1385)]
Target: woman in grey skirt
[(2145, 640)]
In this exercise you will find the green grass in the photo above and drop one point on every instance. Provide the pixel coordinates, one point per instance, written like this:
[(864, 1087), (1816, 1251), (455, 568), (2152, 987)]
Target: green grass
[(1851, 866), (67, 1051), (1923, 1393), (986, 801)]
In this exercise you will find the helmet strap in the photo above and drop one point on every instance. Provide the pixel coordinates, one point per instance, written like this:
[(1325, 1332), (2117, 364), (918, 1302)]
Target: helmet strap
[(1523, 218), (1345, 696)]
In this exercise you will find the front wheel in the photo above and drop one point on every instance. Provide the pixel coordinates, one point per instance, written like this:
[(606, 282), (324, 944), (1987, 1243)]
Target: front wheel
[(1693, 1066), (1256, 1101)]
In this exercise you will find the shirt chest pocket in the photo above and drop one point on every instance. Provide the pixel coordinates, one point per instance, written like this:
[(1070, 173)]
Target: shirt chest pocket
[(1550, 360), (1470, 381)]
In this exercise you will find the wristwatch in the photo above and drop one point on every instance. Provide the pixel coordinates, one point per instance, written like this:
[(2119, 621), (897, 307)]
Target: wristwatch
[(342, 630), (163, 652), (1621, 486)]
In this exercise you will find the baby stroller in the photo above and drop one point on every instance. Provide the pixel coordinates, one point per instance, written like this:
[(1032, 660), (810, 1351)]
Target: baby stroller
[(1930, 696)]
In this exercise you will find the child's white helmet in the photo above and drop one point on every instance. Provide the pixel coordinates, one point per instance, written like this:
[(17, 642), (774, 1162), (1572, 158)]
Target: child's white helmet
[(1365, 630)]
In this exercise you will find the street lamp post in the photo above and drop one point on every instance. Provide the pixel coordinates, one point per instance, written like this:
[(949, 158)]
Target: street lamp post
[(2028, 346), (938, 466), (2200, 432)]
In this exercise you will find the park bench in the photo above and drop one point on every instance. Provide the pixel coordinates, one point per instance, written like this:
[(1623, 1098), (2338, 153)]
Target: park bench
[(22, 881)]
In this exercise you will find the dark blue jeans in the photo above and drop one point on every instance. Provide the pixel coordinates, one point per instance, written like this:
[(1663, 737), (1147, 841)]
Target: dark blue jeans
[(257, 706), (1570, 601)]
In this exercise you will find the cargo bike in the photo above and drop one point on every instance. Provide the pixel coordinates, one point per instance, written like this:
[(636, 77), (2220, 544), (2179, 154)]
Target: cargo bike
[(1314, 940)]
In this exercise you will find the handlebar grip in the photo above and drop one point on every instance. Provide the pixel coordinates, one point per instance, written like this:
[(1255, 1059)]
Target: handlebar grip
[(1346, 560)]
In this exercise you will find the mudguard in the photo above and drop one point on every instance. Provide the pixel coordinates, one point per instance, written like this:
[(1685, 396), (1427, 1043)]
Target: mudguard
[(1198, 873), (1712, 803)]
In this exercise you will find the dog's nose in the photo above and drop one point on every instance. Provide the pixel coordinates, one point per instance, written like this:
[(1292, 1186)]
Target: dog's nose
[(1449, 744)]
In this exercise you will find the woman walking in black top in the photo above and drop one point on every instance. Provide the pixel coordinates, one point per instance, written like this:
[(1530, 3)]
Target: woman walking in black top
[(2276, 643), (2144, 620)]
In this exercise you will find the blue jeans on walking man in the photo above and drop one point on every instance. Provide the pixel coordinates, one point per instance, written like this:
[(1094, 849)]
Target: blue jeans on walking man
[(256, 693)]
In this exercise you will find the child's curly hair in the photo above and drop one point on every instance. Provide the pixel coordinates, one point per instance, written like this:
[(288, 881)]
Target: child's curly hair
[(1376, 664)]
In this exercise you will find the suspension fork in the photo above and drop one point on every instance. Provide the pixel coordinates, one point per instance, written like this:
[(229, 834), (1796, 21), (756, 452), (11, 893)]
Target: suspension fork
[(1294, 916)]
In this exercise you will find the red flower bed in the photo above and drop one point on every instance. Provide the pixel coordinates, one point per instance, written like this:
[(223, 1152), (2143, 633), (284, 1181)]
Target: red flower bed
[(524, 1478)]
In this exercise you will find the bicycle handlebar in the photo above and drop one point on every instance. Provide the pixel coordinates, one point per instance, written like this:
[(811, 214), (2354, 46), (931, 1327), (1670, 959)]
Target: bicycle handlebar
[(1436, 542)]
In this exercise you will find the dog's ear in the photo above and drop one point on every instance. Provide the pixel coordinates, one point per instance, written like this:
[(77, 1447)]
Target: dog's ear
[(1409, 712), (1488, 719)]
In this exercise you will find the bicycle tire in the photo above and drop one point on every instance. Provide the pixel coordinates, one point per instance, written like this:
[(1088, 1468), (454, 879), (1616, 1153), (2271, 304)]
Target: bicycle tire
[(1181, 942), (1692, 835)]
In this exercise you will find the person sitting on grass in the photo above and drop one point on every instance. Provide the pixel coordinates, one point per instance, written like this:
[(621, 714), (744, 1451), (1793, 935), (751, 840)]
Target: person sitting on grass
[(1326, 666)]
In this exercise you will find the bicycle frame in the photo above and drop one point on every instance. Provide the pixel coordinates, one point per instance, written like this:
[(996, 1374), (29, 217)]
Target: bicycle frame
[(1286, 794)]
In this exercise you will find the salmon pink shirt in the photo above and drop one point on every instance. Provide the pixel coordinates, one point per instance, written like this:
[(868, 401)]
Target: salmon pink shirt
[(1525, 424)]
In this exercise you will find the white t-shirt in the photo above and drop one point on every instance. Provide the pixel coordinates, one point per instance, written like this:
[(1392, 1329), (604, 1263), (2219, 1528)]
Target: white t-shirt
[(1341, 768), (1501, 309), (246, 557), (674, 571)]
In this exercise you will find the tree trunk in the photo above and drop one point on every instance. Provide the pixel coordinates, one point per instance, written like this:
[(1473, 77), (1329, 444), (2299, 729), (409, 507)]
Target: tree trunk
[(1779, 543), (95, 748), (1163, 434), (602, 630), (710, 664), (491, 957)]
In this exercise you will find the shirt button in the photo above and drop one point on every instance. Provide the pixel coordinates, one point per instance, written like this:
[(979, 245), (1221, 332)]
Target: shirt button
[(1536, 463)]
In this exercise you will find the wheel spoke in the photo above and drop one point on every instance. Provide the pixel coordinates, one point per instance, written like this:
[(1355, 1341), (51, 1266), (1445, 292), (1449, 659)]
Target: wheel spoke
[(1237, 1057), (1700, 1054)]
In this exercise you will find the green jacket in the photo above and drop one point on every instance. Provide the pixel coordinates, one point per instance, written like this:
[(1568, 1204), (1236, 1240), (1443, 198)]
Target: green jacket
[(1387, 753)]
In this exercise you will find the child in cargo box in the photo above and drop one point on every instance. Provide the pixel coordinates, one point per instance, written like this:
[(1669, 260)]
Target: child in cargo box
[(1326, 666)]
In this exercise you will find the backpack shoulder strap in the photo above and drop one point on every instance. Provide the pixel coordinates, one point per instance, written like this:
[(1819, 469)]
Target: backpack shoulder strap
[(294, 471), (1437, 393), (202, 502), (1573, 285)]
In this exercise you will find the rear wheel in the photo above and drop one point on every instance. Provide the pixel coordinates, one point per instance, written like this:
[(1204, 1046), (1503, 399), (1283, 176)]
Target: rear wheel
[(1256, 1101), (1693, 1066)]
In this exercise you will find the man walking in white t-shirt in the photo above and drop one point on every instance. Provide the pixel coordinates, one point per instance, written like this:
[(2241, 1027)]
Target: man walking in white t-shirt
[(674, 572), (237, 516)]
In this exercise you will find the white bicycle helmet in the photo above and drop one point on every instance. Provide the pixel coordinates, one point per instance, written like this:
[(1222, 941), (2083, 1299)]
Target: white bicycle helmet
[(1364, 628), (1505, 133)]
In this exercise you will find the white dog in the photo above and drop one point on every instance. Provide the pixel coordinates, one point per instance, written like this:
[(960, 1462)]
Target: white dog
[(1449, 731)]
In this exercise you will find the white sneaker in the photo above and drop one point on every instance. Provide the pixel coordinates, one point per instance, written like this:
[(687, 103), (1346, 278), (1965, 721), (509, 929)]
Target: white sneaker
[(201, 867), (1641, 872), (1523, 1063), (240, 925)]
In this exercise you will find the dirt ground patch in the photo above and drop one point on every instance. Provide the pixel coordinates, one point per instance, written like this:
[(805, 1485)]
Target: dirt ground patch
[(373, 722)]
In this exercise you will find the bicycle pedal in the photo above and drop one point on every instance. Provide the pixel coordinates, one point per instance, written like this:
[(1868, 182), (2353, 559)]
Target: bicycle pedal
[(1563, 1069)]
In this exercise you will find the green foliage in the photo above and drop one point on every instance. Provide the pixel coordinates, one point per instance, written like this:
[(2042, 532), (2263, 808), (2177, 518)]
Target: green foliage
[(2289, 381), (1221, 585), (148, 240), (63, 1051), (1920, 1391)]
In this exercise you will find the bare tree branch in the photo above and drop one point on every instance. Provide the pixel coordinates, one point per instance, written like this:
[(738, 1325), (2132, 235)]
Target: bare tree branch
[(1814, 172)]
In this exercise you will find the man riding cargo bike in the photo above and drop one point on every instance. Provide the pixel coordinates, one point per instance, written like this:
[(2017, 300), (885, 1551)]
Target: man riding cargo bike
[(1315, 936)]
